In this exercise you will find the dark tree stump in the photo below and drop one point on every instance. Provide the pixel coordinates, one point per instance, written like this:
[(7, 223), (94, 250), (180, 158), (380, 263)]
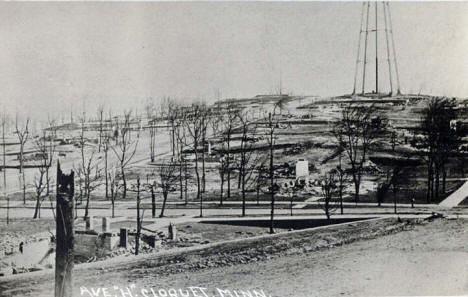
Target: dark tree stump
[(64, 234)]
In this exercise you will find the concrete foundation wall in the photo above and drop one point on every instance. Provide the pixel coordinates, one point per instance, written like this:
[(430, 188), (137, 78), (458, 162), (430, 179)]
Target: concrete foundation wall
[(90, 245)]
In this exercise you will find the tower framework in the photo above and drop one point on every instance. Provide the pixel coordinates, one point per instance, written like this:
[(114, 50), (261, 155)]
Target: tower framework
[(376, 31)]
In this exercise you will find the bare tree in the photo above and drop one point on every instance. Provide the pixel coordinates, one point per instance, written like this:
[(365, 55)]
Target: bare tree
[(329, 188), (194, 125), (114, 185), (271, 124), (439, 141), (167, 173), (50, 152), (41, 180), (248, 159), (151, 115), (105, 147), (40, 187), (462, 153), (151, 187), (357, 132), (382, 189), (4, 122), (125, 149), (204, 129), (222, 169), (393, 140), (171, 110), (261, 178), (100, 117), (217, 123), (23, 134), (397, 176), (342, 178), (88, 171), (139, 217), (229, 122), (180, 141)]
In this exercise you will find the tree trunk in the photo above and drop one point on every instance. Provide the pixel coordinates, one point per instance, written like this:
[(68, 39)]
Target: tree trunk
[(292, 198), (152, 143), (137, 237), (272, 227), (87, 203), (173, 140), (433, 180), (164, 204), (222, 189), (24, 187), (199, 194), (341, 195), (243, 190), (437, 182), (228, 166), (47, 180), (462, 164), (357, 184), (80, 185), (186, 182), (201, 205), (153, 203), (124, 183), (4, 155), (197, 173), (36, 209), (327, 208), (429, 182), (203, 165), (444, 179), (105, 171), (8, 210), (258, 194), (181, 181)]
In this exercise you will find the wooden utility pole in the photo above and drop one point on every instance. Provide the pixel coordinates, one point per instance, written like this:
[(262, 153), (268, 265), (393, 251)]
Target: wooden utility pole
[(64, 234), (4, 152), (4, 169), (376, 53), (272, 170), (139, 220)]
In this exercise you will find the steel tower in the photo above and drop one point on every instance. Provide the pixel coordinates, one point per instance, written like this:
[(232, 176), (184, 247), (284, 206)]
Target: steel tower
[(363, 59)]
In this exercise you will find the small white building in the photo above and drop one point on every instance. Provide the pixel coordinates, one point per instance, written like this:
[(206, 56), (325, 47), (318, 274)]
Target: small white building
[(302, 168)]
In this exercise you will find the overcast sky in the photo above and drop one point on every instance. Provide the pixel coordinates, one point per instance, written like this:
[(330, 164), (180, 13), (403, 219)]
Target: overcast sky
[(121, 53)]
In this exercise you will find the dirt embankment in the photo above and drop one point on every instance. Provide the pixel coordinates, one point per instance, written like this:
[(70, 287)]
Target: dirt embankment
[(230, 253)]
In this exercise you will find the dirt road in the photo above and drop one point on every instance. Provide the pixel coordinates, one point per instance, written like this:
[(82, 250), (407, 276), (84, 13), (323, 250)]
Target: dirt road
[(430, 259)]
